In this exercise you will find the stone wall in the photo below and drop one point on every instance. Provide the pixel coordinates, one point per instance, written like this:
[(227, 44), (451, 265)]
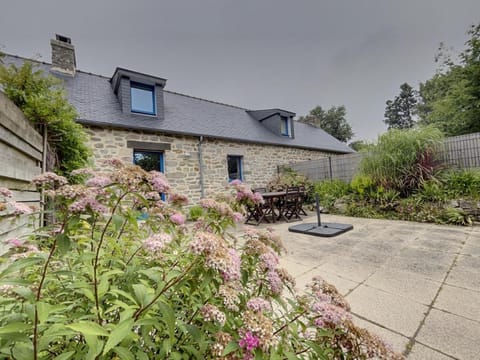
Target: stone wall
[(182, 167)]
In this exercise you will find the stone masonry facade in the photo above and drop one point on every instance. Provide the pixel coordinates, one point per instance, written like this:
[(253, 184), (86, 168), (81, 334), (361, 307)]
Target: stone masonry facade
[(182, 167)]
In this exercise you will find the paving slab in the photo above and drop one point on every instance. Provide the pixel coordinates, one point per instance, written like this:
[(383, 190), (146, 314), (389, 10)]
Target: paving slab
[(459, 301), (405, 284), (386, 310), (421, 352), (451, 334), (465, 273), (348, 268), (396, 341)]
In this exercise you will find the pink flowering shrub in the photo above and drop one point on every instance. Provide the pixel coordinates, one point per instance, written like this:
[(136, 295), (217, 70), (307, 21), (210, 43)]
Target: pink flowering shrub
[(106, 282)]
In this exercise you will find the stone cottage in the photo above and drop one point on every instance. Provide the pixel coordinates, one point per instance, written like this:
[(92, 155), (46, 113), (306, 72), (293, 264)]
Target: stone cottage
[(199, 144)]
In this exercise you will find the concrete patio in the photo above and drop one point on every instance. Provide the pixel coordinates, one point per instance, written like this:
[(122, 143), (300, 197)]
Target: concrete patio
[(416, 285)]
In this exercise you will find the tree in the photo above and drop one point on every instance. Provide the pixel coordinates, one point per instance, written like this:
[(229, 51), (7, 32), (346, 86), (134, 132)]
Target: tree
[(358, 145), (399, 112), (450, 100), (331, 121)]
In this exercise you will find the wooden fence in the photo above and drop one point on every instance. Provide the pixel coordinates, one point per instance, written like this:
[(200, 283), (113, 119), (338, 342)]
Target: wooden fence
[(459, 152), (21, 154)]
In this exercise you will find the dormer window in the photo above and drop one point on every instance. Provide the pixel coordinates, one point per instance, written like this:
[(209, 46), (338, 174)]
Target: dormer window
[(285, 126), (139, 93), (142, 98)]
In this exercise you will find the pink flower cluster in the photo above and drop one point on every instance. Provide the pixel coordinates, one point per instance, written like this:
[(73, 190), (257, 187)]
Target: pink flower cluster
[(249, 341), (87, 203), (159, 182), (269, 260), (98, 181), (218, 256), (49, 180), (212, 313), (329, 314), (274, 282), (20, 209), (178, 219), (233, 272), (156, 242), (5, 192), (221, 207), (83, 171), (178, 199), (259, 304)]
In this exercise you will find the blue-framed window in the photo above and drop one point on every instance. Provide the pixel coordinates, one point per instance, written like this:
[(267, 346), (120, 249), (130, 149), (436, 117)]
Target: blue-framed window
[(142, 98), (150, 160), (235, 165), (285, 126)]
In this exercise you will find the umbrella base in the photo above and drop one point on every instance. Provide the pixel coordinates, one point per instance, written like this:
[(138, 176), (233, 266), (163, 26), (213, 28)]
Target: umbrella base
[(324, 230)]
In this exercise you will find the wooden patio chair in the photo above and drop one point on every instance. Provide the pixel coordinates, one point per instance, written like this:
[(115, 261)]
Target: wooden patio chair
[(291, 203)]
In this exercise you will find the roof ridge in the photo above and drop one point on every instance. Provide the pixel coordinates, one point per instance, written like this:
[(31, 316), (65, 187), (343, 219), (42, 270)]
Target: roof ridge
[(47, 63), (108, 78), (203, 99)]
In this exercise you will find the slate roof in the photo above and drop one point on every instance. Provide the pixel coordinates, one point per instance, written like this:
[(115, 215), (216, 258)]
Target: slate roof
[(96, 104)]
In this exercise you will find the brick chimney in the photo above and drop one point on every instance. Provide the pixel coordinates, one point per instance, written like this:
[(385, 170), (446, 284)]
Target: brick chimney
[(63, 55)]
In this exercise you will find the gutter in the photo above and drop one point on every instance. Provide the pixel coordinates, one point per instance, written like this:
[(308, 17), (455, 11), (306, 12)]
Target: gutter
[(201, 168)]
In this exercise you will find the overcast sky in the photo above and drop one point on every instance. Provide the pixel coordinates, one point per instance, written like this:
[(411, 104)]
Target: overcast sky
[(290, 54)]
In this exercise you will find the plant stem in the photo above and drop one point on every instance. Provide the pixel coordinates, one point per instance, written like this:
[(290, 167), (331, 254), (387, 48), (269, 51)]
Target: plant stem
[(39, 293), (171, 283), (289, 322), (97, 255)]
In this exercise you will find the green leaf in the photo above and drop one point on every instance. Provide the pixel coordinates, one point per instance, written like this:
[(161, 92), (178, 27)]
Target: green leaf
[(43, 310), (141, 293), (120, 332), (64, 356), (124, 294), (21, 264), (25, 293), (88, 328), (14, 328), (168, 316), (124, 353), (154, 274), (117, 221), (23, 351), (103, 286), (291, 355), (63, 243), (95, 346), (141, 356), (231, 347)]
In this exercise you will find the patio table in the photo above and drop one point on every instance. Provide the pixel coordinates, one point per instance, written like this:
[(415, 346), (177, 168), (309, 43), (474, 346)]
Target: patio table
[(273, 200)]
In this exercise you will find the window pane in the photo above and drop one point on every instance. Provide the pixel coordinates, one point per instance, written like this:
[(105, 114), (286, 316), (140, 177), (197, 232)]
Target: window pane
[(142, 99), (284, 127), (148, 161), (234, 167)]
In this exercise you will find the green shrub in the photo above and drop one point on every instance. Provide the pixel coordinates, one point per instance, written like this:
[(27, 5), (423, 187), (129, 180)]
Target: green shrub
[(463, 183), (456, 217), (432, 190), (403, 159), (44, 102), (362, 185), (195, 212), (329, 191)]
